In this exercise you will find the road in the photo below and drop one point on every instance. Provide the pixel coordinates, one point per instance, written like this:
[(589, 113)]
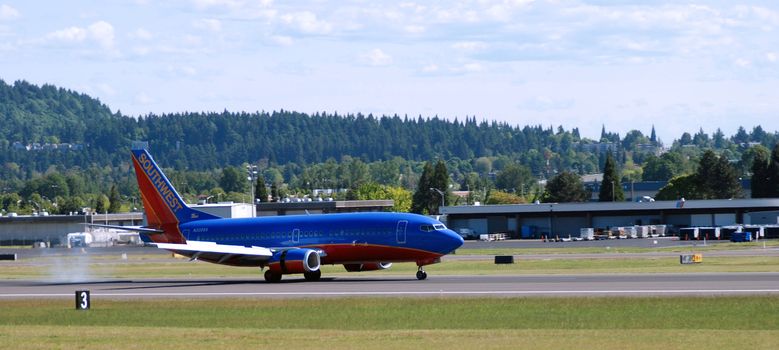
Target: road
[(703, 284)]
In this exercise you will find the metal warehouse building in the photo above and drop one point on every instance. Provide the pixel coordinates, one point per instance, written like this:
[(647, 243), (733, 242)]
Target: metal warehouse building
[(568, 218)]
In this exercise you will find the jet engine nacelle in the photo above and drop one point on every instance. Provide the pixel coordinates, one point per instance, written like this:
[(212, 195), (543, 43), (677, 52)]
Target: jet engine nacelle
[(295, 261), (367, 266)]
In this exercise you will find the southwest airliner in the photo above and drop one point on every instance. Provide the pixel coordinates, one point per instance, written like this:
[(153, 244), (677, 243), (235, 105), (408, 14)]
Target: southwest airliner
[(294, 244)]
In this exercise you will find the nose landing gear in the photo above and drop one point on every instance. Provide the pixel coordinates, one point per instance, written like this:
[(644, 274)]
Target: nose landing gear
[(421, 274)]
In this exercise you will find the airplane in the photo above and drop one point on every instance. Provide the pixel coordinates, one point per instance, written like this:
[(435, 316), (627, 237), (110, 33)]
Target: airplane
[(292, 244)]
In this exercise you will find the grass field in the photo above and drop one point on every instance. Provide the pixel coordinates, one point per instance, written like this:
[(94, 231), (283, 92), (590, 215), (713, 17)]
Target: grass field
[(398, 323)]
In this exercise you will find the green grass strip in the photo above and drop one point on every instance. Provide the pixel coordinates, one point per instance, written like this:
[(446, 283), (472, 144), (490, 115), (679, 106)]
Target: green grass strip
[(714, 313), (748, 322)]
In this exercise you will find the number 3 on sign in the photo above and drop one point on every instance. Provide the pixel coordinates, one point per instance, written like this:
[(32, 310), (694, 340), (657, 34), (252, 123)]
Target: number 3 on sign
[(82, 300)]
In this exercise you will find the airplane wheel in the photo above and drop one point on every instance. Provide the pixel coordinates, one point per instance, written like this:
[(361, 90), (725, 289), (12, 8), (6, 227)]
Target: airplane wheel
[(421, 275), (271, 276), (313, 276)]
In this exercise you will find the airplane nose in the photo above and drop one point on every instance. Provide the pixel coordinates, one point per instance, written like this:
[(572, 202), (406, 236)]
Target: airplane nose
[(453, 240)]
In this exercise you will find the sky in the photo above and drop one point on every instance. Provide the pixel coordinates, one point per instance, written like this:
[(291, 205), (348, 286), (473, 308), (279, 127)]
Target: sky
[(677, 66)]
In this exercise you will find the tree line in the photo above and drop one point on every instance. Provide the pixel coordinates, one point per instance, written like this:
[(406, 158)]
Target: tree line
[(362, 154)]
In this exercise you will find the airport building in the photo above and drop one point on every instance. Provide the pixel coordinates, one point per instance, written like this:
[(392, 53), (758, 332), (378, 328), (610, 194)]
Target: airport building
[(563, 219), (54, 229), (60, 230), (303, 206)]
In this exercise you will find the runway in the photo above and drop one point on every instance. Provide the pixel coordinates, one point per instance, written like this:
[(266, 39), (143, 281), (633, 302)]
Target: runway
[(704, 284)]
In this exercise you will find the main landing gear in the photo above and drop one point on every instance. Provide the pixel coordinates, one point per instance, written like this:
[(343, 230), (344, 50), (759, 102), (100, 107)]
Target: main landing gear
[(272, 277), (312, 276), (421, 274)]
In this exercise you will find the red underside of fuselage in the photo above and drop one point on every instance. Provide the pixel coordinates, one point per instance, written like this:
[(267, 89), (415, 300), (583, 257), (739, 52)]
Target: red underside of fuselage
[(347, 254), (358, 253)]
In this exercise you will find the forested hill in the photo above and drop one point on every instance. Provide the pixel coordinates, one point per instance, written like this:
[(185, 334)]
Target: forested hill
[(44, 127), (33, 118)]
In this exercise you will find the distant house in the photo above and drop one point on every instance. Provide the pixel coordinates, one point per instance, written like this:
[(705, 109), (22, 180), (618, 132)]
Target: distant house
[(19, 146)]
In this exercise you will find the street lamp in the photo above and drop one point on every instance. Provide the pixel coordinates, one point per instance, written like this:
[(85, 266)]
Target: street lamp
[(440, 209), (612, 191), (251, 170)]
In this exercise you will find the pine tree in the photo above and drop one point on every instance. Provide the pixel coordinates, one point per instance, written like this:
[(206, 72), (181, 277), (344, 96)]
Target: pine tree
[(705, 176), (725, 184), (439, 181), (565, 187), (261, 192), (610, 187), (653, 136), (100, 204), (773, 173), (420, 202), (760, 176), (274, 192), (115, 203)]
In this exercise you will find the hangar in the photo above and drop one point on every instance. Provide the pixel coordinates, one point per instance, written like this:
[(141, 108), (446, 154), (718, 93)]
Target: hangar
[(568, 218)]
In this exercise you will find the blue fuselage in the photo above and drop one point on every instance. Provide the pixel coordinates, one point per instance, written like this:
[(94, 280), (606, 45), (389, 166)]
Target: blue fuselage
[(344, 238)]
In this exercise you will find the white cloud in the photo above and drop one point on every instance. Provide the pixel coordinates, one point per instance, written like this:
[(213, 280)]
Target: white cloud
[(211, 24), (414, 29), (71, 34), (142, 34), (430, 68), (143, 98), (8, 12), (141, 50), (187, 71), (100, 32), (742, 62), (307, 22), (281, 40), (546, 103), (103, 33), (193, 40), (772, 57), (204, 4), (106, 89), (471, 68), (469, 45), (377, 57)]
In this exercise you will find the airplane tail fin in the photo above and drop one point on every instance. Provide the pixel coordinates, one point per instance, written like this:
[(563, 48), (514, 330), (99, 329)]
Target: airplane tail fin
[(165, 209)]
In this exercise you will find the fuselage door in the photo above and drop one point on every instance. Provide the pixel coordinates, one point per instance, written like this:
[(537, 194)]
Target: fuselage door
[(296, 235), (401, 231)]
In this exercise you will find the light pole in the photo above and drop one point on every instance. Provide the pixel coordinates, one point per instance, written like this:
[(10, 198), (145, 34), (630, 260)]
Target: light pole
[(251, 170), (441, 208), (612, 190)]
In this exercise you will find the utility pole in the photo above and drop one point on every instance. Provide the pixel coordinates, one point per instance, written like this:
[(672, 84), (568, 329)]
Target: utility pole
[(251, 171), (443, 196), (612, 191)]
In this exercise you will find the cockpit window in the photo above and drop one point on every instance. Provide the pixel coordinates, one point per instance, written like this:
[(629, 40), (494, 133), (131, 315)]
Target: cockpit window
[(430, 228), (426, 228)]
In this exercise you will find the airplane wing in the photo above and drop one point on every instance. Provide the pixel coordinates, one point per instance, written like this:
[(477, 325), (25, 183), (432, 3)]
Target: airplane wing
[(219, 253), (145, 230)]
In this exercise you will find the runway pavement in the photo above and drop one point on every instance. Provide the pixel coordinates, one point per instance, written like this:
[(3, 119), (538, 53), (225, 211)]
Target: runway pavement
[(704, 284)]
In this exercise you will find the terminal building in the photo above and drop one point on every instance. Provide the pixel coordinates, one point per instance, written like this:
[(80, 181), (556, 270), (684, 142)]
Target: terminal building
[(563, 219)]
